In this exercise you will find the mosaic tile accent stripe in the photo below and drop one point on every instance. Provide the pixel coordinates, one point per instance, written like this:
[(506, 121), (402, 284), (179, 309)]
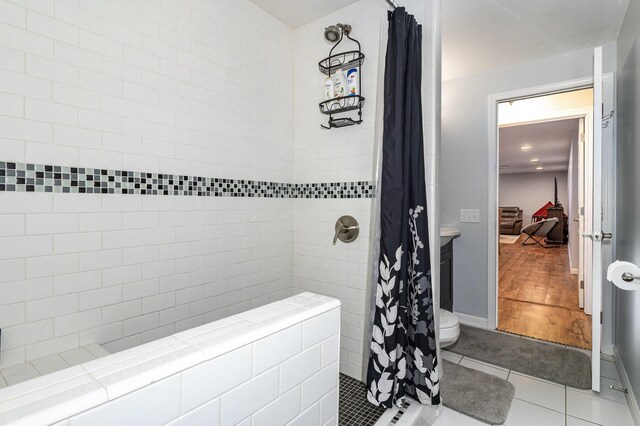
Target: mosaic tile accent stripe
[(26, 177)]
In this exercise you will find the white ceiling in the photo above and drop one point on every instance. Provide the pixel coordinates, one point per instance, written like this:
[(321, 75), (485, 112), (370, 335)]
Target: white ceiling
[(550, 142), (482, 34), (296, 13), (478, 35)]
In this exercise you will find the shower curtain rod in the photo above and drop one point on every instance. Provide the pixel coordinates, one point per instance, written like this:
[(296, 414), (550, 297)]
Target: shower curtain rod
[(392, 3)]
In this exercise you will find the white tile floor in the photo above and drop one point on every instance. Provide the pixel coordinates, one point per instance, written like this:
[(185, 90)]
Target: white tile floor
[(541, 403), (39, 367)]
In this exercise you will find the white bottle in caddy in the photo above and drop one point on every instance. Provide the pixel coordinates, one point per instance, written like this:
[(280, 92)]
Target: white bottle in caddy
[(342, 84), (352, 85), (340, 87), (352, 81), (329, 92)]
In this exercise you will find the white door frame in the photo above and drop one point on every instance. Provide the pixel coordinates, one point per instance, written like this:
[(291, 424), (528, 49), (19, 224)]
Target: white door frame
[(586, 181), (609, 176), (493, 172), (593, 219), (581, 243)]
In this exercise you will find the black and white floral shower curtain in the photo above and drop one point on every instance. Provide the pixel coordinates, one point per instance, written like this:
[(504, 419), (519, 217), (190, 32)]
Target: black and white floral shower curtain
[(402, 358)]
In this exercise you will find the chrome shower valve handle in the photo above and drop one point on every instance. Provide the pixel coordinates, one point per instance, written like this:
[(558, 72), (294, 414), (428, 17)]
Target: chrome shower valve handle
[(346, 230), (342, 229)]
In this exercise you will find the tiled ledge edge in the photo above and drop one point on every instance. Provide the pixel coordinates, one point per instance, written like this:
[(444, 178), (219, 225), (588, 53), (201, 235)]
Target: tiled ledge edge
[(58, 396)]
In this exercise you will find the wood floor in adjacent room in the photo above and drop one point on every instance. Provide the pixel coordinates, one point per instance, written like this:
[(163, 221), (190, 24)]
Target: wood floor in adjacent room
[(538, 296)]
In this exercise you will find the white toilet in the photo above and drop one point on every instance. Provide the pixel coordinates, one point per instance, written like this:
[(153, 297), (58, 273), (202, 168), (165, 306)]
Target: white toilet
[(449, 328), (449, 324)]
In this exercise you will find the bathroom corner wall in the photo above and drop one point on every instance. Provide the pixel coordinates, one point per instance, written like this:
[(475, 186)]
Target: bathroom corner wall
[(627, 312), (349, 154), (187, 89), (191, 88)]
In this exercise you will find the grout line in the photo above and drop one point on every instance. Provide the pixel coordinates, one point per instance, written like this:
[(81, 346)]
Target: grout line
[(566, 408), (586, 420), (538, 405), (477, 361)]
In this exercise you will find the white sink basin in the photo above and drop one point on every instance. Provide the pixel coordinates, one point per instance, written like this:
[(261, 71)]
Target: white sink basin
[(448, 233)]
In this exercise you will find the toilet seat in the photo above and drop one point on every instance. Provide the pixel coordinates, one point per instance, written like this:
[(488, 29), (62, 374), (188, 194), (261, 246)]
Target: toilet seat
[(448, 319), (449, 328)]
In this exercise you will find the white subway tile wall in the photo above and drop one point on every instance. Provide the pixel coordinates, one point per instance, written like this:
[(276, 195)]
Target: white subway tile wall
[(191, 88), (153, 86), (347, 154)]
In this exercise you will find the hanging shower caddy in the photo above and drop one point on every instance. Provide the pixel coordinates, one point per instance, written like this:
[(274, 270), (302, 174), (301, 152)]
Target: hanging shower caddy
[(336, 62)]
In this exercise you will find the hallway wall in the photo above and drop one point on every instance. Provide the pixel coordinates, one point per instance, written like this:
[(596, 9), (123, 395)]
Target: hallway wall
[(627, 337), (530, 191)]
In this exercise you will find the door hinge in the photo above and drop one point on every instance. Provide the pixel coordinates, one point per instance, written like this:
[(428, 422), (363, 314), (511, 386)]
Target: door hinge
[(582, 285), (600, 317), (582, 137)]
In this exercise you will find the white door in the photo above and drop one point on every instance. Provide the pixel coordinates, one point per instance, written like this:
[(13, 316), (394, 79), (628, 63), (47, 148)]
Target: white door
[(593, 212), (580, 217)]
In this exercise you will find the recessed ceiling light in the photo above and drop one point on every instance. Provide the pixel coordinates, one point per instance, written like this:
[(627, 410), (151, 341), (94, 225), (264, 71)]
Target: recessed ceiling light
[(539, 168), (535, 160), (525, 147)]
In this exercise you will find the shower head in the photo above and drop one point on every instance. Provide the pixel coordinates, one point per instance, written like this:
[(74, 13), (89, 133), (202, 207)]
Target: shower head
[(333, 32)]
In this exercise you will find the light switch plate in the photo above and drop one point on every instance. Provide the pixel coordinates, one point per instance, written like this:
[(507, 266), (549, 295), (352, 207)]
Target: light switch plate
[(469, 215)]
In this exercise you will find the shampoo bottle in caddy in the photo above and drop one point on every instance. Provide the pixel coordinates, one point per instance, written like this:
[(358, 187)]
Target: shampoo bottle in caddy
[(352, 81), (340, 84)]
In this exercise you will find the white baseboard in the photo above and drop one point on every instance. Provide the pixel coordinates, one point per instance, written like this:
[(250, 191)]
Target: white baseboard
[(607, 349), (574, 271), (471, 320), (631, 399)]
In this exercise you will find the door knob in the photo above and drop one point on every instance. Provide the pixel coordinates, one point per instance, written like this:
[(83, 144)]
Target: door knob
[(598, 236)]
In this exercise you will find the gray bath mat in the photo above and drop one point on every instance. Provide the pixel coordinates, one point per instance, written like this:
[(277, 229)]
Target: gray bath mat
[(545, 361), (476, 394)]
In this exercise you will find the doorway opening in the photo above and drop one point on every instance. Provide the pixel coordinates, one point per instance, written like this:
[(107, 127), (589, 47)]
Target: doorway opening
[(541, 193), (598, 233)]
